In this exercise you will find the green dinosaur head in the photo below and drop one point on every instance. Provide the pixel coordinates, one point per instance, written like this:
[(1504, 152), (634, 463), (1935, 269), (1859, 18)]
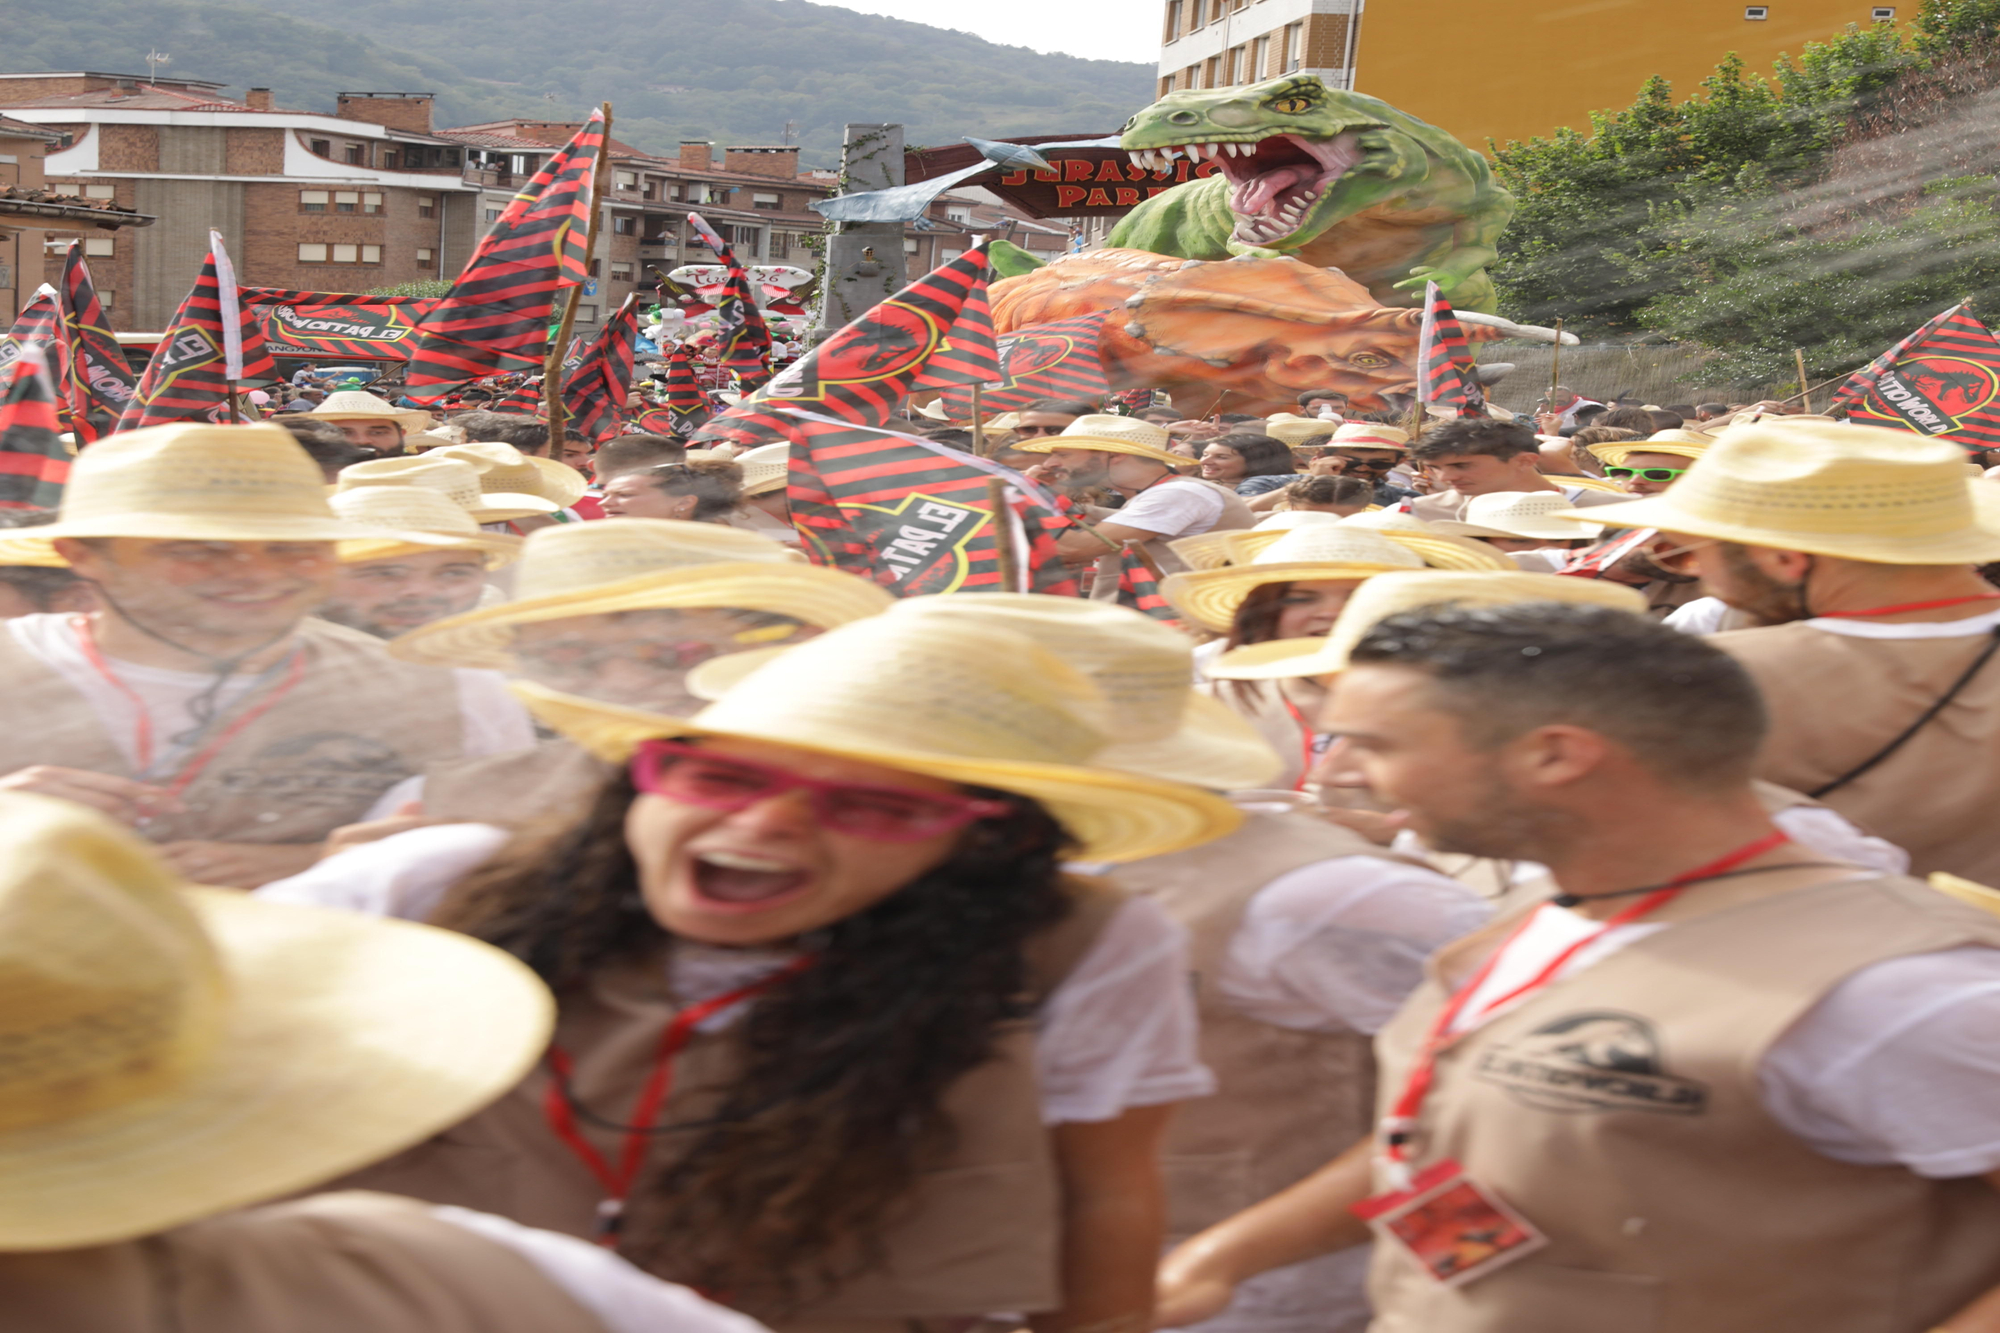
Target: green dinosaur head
[(1299, 156)]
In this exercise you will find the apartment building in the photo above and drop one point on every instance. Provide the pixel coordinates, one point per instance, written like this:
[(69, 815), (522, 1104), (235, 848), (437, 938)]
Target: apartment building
[(1221, 43), (28, 208)]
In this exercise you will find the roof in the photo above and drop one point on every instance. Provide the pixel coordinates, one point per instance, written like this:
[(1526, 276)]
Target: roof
[(48, 206), (481, 138), (144, 97), (21, 129), (100, 74)]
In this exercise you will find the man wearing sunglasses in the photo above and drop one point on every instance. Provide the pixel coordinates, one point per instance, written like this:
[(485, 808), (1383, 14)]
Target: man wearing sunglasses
[(1651, 465), (1048, 416), (1369, 452)]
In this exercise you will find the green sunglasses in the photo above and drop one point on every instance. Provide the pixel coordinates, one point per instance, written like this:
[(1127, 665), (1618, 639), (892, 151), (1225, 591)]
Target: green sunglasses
[(1649, 473)]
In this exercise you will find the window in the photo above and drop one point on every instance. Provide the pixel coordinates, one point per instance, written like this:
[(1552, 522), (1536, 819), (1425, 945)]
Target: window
[(958, 215), (1260, 52), (371, 203), (356, 154), (1883, 14), (104, 298), (371, 254), (311, 253), (346, 201), (346, 254), (1195, 15), (492, 215), (427, 205), (389, 158), (312, 201), (586, 314), (99, 247), (674, 192), (111, 191), (627, 180), (1757, 13), (781, 245), (766, 201), (519, 164), (322, 147), (621, 273), (1191, 77), (909, 245), (1173, 20), (624, 224), (425, 256), (1214, 68), (1288, 50)]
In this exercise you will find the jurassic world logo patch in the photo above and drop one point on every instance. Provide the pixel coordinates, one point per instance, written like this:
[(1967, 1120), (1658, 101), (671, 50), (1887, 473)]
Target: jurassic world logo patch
[(1931, 392), (921, 539), (1597, 1061)]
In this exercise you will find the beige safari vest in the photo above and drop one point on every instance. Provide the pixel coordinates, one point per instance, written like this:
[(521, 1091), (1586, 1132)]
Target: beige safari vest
[(981, 1234), (1835, 700), (554, 779), (334, 1263), (1618, 1110), (357, 723), (1288, 1102), (1236, 515)]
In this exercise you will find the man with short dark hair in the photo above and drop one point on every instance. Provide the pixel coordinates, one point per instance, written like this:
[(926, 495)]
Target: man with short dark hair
[(1333, 400), (1718, 1084), (636, 453), (528, 434), (1481, 456), (326, 444), (1048, 416)]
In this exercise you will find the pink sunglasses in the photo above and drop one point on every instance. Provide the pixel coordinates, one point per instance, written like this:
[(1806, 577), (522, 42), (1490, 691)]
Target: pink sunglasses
[(694, 776)]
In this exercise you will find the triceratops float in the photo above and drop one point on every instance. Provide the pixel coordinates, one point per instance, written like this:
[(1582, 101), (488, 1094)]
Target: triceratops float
[(1240, 335)]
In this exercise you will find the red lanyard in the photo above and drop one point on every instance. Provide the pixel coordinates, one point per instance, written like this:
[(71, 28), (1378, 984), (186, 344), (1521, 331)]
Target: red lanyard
[(142, 741), (561, 1113), (1306, 735), (1402, 1117), (1910, 606)]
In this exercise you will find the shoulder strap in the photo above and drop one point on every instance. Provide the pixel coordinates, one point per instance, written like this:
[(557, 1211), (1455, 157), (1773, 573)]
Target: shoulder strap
[(1923, 720)]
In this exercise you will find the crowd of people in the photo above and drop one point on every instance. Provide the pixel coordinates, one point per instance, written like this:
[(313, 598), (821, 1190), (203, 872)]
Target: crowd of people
[(1535, 883)]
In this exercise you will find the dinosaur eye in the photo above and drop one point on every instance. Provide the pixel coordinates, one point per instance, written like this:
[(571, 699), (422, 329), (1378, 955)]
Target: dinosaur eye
[(1293, 105), (1368, 360)]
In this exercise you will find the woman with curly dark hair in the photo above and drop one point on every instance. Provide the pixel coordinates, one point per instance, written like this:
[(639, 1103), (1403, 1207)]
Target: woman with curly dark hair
[(838, 1040), (702, 490), (1252, 464)]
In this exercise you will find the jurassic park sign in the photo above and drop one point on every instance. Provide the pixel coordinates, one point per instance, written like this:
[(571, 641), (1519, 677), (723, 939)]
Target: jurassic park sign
[(1084, 182)]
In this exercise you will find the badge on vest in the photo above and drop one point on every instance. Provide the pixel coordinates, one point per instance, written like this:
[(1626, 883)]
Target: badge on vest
[(1593, 1061), (1455, 1229)]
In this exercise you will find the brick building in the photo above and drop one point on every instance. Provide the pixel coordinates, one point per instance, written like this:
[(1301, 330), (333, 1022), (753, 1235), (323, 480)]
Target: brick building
[(1219, 43), (28, 208)]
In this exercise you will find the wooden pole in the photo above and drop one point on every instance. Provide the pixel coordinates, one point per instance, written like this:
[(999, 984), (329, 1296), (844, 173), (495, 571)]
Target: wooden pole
[(1556, 364), (1003, 534), (235, 408), (978, 424), (1805, 393), (552, 368)]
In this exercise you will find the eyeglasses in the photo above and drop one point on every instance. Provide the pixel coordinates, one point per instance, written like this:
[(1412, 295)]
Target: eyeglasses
[(1366, 464), (1649, 473), (694, 776), (1038, 430)]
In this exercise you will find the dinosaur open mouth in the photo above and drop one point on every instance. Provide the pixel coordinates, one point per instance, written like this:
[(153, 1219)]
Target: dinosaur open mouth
[(1273, 181)]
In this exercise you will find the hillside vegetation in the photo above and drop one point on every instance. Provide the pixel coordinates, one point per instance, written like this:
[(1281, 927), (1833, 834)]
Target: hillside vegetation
[(730, 70)]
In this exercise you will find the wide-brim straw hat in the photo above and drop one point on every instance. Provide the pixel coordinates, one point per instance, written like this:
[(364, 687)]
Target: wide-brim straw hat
[(642, 564), (1160, 727), (453, 478), (1966, 891), (1369, 435), (1440, 549), (423, 521), (191, 481), (1392, 594), (178, 1052), (971, 703), (1517, 514), (765, 468), (505, 470), (1109, 433), (1299, 432), (1679, 443), (1239, 546), (355, 405), (1321, 551), (1827, 488)]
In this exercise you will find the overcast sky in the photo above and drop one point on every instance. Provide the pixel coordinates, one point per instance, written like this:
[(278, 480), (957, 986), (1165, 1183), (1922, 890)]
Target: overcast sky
[(1098, 29)]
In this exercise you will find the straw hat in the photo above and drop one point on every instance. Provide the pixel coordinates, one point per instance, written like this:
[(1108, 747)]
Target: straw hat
[(1210, 597), (505, 470), (424, 521), (1392, 594), (1109, 433), (1853, 492), (355, 405), (642, 564), (1517, 514), (191, 481), (945, 696), (1297, 431), (1159, 726), (1369, 435), (1679, 443), (171, 1052), (1239, 546), (765, 468), (453, 478), (1440, 549), (1966, 891)]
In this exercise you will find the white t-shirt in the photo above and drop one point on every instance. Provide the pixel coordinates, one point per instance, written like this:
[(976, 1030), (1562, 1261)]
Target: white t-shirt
[(1896, 1065), (493, 720), (1176, 507), (1119, 1032), (1704, 615)]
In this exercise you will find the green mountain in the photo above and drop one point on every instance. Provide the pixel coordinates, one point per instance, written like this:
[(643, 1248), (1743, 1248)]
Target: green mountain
[(735, 71)]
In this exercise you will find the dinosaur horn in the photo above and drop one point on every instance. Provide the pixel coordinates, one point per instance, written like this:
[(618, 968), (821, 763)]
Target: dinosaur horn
[(1508, 328)]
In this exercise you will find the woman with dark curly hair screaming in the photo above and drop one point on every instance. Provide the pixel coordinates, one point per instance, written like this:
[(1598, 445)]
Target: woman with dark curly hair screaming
[(839, 1042)]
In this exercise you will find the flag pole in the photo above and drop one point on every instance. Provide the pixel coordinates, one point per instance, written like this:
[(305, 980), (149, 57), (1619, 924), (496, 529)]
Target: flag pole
[(978, 426), (559, 351), (1556, 362), (1003, 533), (1805, 393)]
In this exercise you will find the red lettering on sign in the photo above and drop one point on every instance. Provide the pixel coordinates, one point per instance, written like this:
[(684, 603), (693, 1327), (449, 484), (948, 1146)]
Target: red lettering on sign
[(1076, 168), (1181, 170), (1015, 178), (1208, 169), (1135, 172), (1051, 175), (1098, 199), (1068, 194), (1127, 197), (1111, 169)]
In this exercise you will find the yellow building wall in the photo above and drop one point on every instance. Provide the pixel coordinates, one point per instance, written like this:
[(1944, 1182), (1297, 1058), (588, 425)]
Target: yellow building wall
[(1513, 69)]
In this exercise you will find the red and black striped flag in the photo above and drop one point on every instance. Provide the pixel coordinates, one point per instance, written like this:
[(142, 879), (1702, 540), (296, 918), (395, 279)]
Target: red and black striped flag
[(33, 462), (911, 514), (495, 318), (1445, 376), (687, 406), (213, 342), (936, 331), (1139, 590), (38, 325), (1943, 380), (98, 383), (745, 338), (1054, 360), (596, 392)]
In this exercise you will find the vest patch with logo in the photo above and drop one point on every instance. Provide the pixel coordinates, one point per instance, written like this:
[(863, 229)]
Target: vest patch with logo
[(1597, 1060)]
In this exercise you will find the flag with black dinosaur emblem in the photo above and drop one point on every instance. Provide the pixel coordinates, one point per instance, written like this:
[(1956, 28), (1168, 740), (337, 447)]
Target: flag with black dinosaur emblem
[(212, 342), (1943, 380), (1445, 374), (1054, 360), (746, 340), (97, 383), (495, 318), (596, 391)]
